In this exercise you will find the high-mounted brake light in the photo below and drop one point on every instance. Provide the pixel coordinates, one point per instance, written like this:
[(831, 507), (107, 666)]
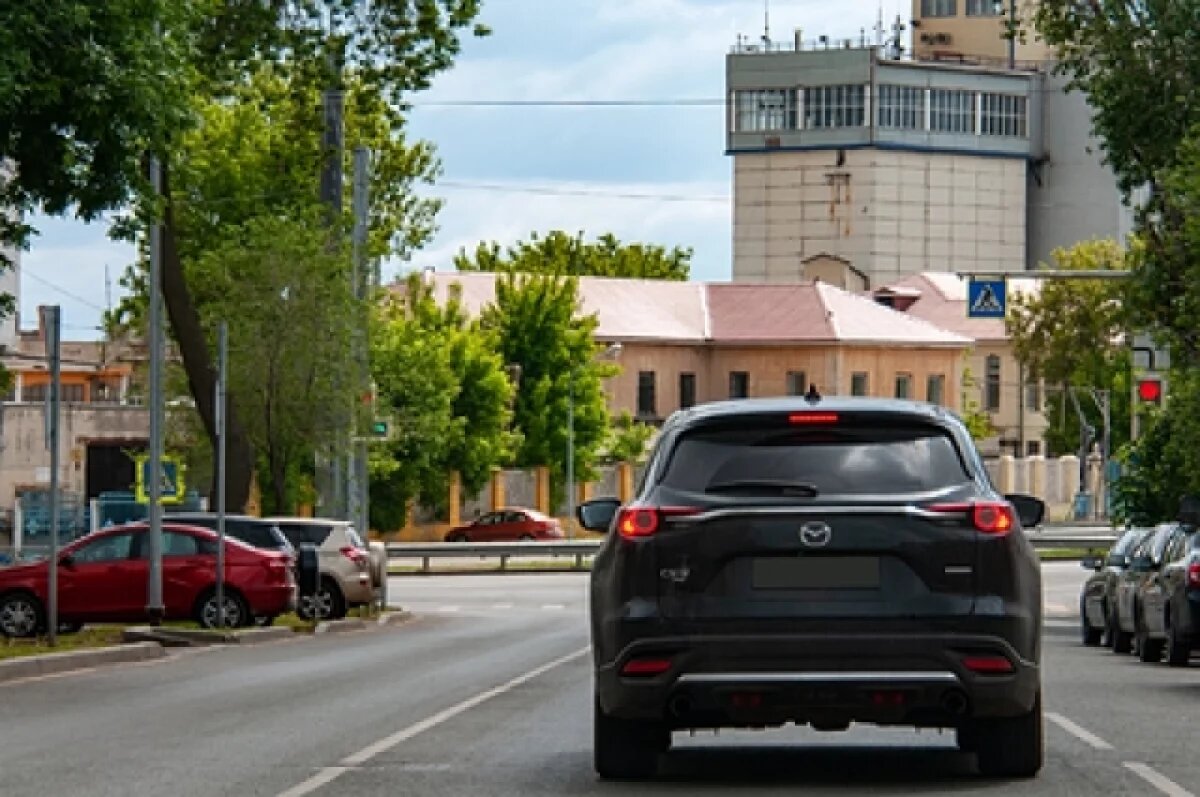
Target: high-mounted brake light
[(643, 521), (806, 418), (990, 517)]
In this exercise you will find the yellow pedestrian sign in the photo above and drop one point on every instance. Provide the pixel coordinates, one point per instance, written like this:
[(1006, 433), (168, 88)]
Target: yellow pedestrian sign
[(170, 480)]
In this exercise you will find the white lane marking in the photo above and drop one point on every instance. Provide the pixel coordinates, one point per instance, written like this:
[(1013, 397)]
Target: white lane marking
[(1082, 734), (554, 606), (325, 776), (1157, 780), (449, 609), (502, 605), (328, 774)]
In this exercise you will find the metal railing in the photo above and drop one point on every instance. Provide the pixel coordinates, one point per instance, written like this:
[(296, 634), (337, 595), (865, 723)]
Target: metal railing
[(1069, 537)]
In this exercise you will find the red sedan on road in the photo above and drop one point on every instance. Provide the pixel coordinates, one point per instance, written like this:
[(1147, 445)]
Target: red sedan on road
[(102, 578), (507, 524)]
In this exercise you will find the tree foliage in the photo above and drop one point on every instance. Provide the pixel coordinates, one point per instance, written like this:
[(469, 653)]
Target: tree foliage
[(561, 254), (628, 439), (1071, 334), (441, 379), (541, 332)]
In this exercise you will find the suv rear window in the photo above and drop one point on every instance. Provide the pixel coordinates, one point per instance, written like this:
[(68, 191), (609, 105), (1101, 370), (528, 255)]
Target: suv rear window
[(858, 459), (299, 533)]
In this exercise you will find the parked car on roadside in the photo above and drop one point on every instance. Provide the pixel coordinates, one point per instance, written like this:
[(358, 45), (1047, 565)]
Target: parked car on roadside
[(821, 561), (1169, 602), (348, 569), (1097, 599), (102, 578), (251, 530), (507, 525), (1145, 560)]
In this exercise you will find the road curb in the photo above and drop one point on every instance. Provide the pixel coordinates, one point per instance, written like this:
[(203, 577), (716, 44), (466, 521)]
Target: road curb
[(359, 624), (66, 661), (189, 637)]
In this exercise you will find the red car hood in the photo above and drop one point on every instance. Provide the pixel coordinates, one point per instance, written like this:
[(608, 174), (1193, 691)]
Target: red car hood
[(22, 570)]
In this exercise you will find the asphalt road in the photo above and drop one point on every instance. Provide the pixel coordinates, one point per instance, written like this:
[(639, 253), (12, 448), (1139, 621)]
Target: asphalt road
[(488, 693)]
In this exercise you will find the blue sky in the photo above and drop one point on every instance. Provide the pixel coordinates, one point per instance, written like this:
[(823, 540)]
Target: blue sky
[(514, 170)]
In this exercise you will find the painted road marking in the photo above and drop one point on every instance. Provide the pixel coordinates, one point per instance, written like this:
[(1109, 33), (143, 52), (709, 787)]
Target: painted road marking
[(1084, 735), (1157, 780)]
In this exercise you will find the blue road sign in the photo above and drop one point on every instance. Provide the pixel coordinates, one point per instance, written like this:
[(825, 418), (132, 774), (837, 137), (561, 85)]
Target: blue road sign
[(171, 479), (986, 298)]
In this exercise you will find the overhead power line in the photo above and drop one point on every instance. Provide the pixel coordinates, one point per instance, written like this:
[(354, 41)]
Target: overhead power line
[(550, 190), (29, 273), (686, 102)]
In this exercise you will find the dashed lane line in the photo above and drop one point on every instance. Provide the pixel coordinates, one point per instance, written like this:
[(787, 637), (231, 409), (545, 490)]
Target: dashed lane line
[(1157, 779), (1079, 732)]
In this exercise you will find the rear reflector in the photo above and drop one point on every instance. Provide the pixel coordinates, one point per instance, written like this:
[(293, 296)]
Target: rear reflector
[(888, 697), (1193, 576), (813, 418), (642, 521), (990, 517), (988, 665), (656, 665)]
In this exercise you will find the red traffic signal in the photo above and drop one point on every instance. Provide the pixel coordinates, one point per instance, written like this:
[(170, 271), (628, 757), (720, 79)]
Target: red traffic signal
[(1150, 390)]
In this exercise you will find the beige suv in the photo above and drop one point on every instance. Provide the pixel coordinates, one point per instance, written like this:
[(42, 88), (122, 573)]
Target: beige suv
[(347, 566)]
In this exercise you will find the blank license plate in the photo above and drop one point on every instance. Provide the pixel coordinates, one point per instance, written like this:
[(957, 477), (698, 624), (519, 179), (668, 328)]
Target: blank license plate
[(817, 572)]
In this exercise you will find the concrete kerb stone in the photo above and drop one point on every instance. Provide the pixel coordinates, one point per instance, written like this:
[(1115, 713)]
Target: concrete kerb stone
[(359, 624), (66, 661), (194, 637)]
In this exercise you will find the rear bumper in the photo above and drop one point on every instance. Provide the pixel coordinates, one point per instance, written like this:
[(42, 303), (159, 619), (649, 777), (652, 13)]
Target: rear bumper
[(724, 681), (358, 589)]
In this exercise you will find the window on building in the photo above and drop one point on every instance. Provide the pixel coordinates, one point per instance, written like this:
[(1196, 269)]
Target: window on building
[(797, 383), (951, 111), (901, 107), (645, 396), (105, 391), (764, 109), (34, 393), (859, 383), (991, 384), (835, 106), (939, 8), (985, 8), (1033, 448), (687, 390), (1003, 115), (903, 386), (935, 389), (1033, 395), (739, 384), (71, 394)]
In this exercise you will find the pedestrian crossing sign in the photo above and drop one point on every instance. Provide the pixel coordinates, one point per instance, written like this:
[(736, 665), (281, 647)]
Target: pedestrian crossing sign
[(170, 481), (986, 298)]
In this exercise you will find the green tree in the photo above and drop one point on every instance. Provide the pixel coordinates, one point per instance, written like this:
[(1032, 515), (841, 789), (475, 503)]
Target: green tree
[(541, 331), (628, 439), (441, 377), (974, 417), (561, 254), (1071, 334), (287, 298), (80, 144)]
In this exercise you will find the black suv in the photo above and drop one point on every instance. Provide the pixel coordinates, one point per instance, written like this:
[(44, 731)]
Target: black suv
[(819, 561)]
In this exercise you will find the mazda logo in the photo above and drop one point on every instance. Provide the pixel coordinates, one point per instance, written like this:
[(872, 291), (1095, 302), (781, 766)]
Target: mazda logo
[(816, 534)]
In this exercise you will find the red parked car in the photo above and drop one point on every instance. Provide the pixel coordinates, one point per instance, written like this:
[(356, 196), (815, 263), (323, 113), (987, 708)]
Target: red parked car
[(102, 578), (507, 524)]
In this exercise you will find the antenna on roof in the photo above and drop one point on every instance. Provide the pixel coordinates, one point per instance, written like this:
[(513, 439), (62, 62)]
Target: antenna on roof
[(767, 22), (812, 396)]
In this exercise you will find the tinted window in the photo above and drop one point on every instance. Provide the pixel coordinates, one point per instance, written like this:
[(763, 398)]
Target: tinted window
[(300, 533), (177, 543), (858, 459), (1128, 541), (111, 548), (260, 535)]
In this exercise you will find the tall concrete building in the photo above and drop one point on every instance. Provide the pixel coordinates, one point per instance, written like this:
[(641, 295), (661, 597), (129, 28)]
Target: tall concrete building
[(858, 166)]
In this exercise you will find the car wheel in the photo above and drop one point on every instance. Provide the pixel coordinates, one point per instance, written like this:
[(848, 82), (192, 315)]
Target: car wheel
[(21, 615), (626, 749), (457, 538), (1122, 641), (326, 604), (1012, 747), (1148, 650), (527, 538), (1091, 636), (237, 614), (1179, 647)]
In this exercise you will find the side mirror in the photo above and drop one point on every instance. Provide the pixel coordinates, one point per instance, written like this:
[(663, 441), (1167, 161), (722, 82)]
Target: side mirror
[(1118, 560), (1189, 510), (1092, 563), (597, 514), (1030, 510), (67, 561)]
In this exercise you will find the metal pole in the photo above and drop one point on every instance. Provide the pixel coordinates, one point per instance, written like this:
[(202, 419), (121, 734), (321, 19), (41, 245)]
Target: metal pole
[(222, 376), (51, 322), (154, 596), (571, 455), (1012, 34), (356, 493)]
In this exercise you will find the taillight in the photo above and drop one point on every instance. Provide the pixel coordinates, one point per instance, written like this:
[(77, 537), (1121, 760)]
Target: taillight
[(280, 569), (643, 521), (988, 665), (990, 517), (646, 666), (1193, 579), (356, 555)]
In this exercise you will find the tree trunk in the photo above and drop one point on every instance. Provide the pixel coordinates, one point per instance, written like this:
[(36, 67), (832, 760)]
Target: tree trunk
[(201, 371)]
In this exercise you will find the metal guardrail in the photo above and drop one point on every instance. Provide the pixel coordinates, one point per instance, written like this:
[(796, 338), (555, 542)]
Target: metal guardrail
[(1080, 537)]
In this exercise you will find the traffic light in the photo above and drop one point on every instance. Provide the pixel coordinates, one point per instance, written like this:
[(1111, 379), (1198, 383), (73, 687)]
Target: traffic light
[(379, 427), (1150, 389)]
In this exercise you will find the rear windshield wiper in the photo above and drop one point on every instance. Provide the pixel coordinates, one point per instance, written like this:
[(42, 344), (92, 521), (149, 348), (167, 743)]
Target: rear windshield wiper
[(781, 486)]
